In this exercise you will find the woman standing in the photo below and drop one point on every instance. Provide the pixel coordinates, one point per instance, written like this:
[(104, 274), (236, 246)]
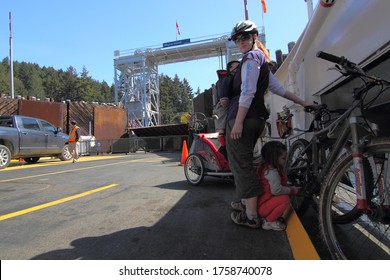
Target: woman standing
[(247, 115)]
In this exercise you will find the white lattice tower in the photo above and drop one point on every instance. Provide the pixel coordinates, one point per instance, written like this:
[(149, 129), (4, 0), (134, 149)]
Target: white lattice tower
[(136, 79), (136, 73)]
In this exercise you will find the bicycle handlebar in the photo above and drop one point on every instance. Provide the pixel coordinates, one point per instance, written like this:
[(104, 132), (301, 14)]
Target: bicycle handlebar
[(346, 67), (349, 67), (315, 108), (330, 57)]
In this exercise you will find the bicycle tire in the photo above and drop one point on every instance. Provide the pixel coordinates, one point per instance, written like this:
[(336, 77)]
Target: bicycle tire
[(198, 121), (297, 165), (348, 232), (194, 169)]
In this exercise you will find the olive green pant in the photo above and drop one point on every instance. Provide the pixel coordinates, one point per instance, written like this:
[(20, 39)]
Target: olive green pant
[(240, 155)]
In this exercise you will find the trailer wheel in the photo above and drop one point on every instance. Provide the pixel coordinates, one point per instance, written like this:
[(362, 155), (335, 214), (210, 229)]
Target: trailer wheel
[(194, 169)]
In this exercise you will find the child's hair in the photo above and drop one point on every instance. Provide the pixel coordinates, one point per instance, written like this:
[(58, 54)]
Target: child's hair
[(270, 153)]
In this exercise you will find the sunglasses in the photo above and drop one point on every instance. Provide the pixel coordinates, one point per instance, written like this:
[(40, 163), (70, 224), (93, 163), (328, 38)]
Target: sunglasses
[(243, 37)]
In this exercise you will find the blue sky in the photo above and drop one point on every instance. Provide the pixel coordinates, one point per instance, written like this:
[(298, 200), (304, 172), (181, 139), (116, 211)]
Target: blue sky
[(86, 33)]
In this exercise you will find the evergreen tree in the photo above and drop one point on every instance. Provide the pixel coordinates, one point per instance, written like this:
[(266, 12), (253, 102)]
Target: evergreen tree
[(167, 111), (52, 84), (71, 84), (19, 89), (4, 76), (188, 96), (28, 74), (31, 80), (175, 98), (106, 92)]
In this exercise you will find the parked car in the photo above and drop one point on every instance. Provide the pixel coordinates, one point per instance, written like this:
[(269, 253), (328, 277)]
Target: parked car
[(30, 138)]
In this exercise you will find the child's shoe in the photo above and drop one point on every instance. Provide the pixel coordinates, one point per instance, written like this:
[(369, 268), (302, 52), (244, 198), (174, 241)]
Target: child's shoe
[(275, 225)]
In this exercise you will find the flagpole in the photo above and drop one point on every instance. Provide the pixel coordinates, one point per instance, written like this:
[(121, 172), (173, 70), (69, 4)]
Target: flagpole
[(11, 63), (176, 30), (246, 9), (263, 11), (262, 16)]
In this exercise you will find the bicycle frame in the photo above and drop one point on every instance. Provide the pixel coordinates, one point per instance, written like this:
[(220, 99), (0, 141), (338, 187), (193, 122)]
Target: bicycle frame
[(350, 179), (322, 163), (384, 196)]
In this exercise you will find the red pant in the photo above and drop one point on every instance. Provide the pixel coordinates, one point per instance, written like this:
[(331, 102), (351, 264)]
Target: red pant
[(274, 207)]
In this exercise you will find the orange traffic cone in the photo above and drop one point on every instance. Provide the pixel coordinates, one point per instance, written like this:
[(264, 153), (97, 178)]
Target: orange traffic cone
[(184, 153)]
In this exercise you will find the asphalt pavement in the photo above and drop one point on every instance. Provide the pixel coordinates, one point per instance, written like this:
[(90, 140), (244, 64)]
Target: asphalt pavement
[(132, 207)]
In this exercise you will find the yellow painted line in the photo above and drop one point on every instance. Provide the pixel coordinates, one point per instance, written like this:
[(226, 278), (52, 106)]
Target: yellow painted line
[(56, 202), (53, 161), (73, 170), (43, 163), (301, 245), (78, 169)]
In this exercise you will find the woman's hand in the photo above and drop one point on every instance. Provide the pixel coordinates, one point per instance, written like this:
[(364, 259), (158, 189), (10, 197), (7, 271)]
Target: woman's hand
[(238, 126), (224, 102), (295, 190), (236, 132)]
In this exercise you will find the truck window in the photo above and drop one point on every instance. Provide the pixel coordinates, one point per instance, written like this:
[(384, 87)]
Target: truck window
[(6, 122), (30, 124), (48, 127)]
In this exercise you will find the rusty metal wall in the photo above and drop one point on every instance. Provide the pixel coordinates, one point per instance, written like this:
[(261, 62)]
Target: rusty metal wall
[(82, 113), (107, 124), (52, 112), (8, 106), (110, 123), (102, 121)]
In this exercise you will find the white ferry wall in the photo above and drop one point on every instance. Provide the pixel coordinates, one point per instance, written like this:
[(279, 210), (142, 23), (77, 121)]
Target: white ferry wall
[(355, 29)]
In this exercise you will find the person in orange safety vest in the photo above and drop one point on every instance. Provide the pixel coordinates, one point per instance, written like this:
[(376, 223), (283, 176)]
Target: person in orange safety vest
[(74, 137)]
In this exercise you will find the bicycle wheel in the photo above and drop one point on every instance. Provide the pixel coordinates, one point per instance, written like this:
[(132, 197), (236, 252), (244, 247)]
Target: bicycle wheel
[(198, 121), (350, 233), (194, 169), (297, 167)]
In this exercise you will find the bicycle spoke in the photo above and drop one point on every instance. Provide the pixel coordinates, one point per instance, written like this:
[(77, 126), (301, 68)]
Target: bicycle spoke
[(297, 170), (351, 233), (194, 169)]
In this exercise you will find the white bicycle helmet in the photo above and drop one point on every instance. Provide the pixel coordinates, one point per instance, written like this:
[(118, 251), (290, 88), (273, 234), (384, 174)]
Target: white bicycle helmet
[(243, 27)]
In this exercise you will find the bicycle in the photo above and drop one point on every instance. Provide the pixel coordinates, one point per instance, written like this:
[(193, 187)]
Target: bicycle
[(306, 159), (197, 121), (346, 172), (283, 123)]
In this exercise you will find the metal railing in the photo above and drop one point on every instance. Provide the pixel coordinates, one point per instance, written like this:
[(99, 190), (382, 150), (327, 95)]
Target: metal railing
[(132, 145)]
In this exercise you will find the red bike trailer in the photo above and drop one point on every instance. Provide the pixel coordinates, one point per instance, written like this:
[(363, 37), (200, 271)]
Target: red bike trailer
[(206, 158)]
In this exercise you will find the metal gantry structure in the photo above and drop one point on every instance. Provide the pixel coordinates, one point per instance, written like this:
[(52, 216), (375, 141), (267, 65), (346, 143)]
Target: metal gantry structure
[(136, 79), (136, 72)]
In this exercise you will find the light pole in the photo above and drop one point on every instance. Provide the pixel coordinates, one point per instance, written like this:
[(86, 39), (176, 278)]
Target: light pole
[(11, 63)]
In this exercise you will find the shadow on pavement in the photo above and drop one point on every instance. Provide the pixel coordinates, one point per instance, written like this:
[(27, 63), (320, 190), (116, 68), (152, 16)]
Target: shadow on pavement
[(198, 227)]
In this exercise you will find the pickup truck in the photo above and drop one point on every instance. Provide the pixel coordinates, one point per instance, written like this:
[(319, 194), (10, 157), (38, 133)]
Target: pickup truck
[(30, 138)]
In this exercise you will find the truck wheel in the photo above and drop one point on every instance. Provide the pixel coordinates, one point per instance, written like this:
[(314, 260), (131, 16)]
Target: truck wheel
[(31, 159), (65, 155), (5, 156)]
